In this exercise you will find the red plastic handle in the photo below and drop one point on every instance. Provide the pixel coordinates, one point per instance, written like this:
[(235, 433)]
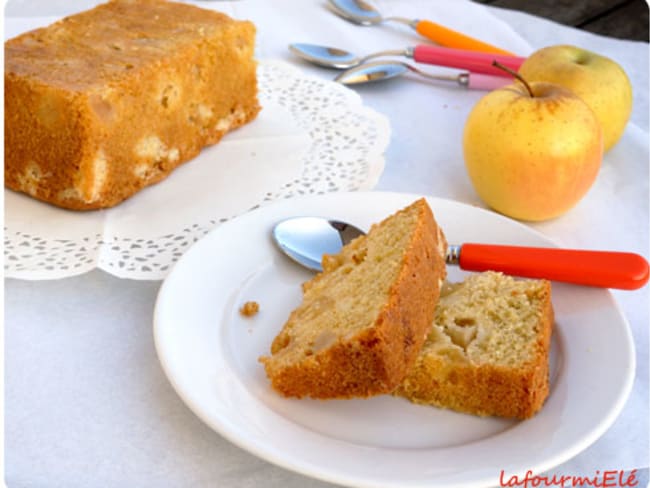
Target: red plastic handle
[(474, 61), (627, 271)]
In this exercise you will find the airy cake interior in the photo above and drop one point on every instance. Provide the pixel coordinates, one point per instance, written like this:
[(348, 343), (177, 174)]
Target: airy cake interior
[(487, 352), (349, 295), (490, 318)]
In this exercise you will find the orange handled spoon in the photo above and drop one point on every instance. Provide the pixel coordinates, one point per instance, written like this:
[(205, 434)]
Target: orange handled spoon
[(306, 239), (361, 13)]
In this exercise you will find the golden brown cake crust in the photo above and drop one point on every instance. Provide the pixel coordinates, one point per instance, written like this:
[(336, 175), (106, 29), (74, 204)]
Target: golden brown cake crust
[(108, 101), (487, 389), (375, 360)]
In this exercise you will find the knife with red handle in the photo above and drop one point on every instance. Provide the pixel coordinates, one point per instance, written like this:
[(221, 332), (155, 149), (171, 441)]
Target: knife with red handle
[(606, 269)]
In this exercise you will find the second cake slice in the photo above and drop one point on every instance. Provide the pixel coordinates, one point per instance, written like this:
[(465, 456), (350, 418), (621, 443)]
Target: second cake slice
[(487, 352), (363, 320)]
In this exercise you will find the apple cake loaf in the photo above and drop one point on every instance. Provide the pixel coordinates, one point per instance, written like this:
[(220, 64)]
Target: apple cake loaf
[(487, 350), (108, 101), (363, 320)]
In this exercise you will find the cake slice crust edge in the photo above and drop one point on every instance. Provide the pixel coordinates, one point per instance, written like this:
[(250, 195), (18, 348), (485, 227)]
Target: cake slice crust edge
[(375, 360)]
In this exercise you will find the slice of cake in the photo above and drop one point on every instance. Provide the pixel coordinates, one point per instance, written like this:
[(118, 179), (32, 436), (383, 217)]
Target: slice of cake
[(487, 350), (363, 320), (110, 100)]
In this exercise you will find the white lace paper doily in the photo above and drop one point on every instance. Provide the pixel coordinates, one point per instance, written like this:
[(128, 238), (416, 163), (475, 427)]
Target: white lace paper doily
[(312, 136)]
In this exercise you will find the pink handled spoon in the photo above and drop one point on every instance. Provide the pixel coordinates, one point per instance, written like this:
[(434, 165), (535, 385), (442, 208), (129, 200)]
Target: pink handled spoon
[(384, 70), (472, 61)]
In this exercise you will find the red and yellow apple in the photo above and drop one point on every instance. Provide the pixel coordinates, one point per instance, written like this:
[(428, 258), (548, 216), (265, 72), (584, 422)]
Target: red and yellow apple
[(598, 80), (532, 151)]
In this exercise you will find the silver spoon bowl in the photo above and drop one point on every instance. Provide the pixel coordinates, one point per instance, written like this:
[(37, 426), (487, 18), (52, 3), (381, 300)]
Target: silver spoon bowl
[(331, 57), (306, 239), (362, 13)]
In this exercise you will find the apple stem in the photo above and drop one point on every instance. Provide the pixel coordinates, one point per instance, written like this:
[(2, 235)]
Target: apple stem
[(515, 74)]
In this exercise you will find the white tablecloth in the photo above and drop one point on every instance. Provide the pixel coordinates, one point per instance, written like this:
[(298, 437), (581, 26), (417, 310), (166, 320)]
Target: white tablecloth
[(86, 402)]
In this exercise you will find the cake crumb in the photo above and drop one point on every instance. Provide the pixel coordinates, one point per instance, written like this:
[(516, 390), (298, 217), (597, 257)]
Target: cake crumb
[(249, 308)]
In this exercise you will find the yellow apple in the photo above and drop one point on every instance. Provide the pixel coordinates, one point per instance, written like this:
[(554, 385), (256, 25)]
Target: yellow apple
[(598, 80), (532, 151)]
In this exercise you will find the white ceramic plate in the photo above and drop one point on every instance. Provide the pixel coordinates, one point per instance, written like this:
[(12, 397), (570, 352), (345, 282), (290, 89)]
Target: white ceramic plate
[(209, 352)]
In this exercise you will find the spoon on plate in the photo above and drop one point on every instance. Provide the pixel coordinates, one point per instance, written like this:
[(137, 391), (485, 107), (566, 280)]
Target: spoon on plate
[(361, 13), (384, 70), (331, 57), (306, 239)]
